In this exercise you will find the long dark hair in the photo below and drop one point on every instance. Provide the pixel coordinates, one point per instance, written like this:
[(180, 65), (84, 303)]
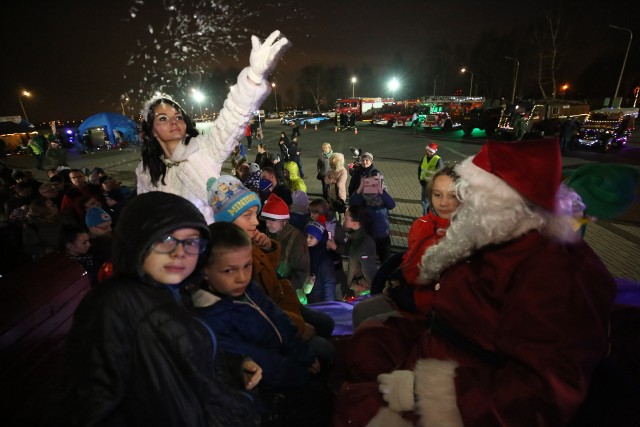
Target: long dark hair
[(151, 149)]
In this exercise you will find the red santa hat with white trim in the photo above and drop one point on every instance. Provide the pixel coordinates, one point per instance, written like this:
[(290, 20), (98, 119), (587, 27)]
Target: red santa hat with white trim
[(532, 167), (275, 208)]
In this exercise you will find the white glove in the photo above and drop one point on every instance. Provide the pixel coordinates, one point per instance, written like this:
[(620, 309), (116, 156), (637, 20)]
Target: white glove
[(397, 390), (264, 56)]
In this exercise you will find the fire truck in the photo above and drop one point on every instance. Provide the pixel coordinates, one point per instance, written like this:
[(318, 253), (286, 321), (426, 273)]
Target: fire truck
[(363, 108), (539, 118)]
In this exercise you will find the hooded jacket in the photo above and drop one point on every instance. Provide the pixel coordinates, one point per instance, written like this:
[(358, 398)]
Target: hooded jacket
[(294, 182), (135, 355)]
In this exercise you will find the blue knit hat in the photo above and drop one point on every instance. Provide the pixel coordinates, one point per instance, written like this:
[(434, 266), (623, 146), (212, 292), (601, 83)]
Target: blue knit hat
[(229, 198), (96, 216), (315, 229)]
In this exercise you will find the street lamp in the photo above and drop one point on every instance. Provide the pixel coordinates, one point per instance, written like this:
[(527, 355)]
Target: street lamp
[(564, 89), (353, 87), (123, 100), (198, 97), (515, 79), (625, 59), (27, 94), (275, 95), (393, 85), (464, 70)]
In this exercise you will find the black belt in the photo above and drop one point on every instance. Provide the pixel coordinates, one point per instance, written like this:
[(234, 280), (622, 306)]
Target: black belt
[(440, 328)]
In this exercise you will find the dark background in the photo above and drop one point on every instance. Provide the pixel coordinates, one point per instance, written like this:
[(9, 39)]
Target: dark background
[(78, 58)]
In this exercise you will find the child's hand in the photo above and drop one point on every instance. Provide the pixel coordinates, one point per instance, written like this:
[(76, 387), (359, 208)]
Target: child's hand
[(331, 245), (251, 374), (262, 240)]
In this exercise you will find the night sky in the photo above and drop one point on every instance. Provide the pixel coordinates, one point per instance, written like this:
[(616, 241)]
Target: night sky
[(79, 57)]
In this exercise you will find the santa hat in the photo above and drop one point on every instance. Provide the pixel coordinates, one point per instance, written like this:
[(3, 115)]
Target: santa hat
[(229, 198), (315, 229), (433, 147), (96, 216), (532, 167), (275, 208)]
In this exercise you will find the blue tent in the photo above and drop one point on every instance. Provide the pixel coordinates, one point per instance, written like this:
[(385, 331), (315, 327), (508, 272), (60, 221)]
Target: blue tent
[(110, 122)]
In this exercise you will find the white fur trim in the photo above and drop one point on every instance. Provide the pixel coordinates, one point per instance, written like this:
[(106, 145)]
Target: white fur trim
[(483, 180), (397, 390), (436, 393), (388, 418)]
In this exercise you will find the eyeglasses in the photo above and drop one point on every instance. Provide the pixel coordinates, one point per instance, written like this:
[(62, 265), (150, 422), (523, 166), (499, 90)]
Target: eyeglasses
[(168, 244)]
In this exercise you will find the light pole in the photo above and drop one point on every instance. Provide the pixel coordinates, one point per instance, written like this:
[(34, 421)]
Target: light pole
[(623, 62), (393, 85), (515, 79), (353, 87), (275, 95), (27, 94), (199, 97), (464, 70), (123, 100)]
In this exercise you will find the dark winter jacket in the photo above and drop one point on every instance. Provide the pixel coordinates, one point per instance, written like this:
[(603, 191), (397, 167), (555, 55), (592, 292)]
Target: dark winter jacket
[(377, 208), (254, 325), (321, 266)]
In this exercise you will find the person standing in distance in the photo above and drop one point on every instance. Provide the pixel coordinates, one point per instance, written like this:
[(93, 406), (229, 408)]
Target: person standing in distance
[(175, 159), (430, 163)]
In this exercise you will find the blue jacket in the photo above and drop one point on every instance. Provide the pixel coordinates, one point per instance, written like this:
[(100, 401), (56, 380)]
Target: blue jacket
[(321, 265), (378, 212), (254, 326)]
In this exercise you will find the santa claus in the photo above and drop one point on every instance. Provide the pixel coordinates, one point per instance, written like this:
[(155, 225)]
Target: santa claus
[(521, 304)]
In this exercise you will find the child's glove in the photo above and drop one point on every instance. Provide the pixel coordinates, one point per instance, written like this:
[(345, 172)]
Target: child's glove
[(264, 56), (397, 390)]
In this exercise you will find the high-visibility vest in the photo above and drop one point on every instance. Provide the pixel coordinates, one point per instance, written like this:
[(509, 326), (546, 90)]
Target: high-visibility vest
[(428, 168)]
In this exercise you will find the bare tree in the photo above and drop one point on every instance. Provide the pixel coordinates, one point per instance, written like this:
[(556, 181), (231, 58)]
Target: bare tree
[(550, 33)]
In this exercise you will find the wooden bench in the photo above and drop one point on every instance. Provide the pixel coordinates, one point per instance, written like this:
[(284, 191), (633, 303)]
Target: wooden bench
[(37, 303)]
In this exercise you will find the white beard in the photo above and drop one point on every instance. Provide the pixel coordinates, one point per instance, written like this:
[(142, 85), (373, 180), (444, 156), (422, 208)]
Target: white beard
[(491, 212)]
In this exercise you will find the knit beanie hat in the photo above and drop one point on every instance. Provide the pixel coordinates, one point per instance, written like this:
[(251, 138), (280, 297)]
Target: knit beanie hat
[(275, 208), (300, 202), (315, 229), (607, 190), (367, 155), (532, 167), (254, 167), (229, 198), (96, 216)]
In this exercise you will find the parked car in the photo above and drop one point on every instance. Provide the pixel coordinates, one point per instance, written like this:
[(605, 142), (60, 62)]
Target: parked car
[(605, 128), (286, 120), (315, 119)]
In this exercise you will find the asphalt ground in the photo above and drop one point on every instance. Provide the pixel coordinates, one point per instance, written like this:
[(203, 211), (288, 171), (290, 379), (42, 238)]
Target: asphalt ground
[(397, 153)]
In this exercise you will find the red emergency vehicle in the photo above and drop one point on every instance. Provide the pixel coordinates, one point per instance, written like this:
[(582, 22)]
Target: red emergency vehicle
[(363, 108)]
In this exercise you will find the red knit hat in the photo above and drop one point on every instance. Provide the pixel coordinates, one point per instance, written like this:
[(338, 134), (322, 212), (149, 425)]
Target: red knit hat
[(533, 167), (433, 147), (275, 208)]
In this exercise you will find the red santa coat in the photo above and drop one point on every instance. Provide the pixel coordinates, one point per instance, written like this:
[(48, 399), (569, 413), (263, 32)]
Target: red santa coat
[(542, 306)]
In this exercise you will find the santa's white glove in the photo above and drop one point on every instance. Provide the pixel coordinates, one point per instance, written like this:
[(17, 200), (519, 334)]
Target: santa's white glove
[(265, 56), (397, 390)]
